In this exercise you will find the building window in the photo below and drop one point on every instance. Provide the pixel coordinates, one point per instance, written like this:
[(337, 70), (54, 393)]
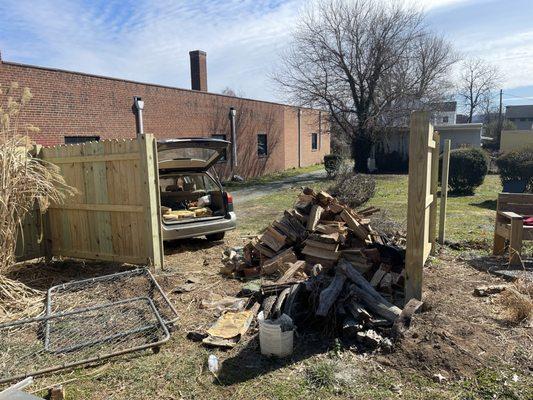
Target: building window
[(445, 120), (224, 157), (262, 146), (314, 141), (81, 139)]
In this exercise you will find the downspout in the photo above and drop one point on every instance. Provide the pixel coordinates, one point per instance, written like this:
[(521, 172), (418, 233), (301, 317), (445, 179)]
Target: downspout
[(320, 131), (299, 138), (232, 114), (139, 106)]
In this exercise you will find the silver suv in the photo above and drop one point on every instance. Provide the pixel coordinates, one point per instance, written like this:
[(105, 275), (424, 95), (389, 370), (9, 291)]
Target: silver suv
[(193, 202)]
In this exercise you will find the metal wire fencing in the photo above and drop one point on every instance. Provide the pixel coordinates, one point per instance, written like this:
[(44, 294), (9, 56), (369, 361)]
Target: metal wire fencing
[(87, 321), (108, 289)]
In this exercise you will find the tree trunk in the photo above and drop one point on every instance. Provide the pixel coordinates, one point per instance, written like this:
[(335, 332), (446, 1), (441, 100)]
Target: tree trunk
[(361, 148)]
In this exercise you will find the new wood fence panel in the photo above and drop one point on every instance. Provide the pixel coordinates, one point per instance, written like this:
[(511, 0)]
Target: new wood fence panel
[(422, 200), (114, 216)]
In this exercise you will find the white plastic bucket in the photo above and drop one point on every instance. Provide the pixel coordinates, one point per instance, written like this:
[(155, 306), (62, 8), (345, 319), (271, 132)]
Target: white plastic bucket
[(272, 340)]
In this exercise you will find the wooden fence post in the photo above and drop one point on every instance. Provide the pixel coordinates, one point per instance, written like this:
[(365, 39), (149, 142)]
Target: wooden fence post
[(444, 190), (153, 211), (433, 191), (421, 207)]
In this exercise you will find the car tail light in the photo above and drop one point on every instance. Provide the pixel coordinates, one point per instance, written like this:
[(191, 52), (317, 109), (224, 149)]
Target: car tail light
[(229, 201)]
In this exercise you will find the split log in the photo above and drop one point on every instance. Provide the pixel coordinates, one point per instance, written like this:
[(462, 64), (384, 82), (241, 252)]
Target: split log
[(294, 267), (314, 217), (404, 320), (364, 291), (273, 238), (329, 295), (378, 276), (350, 327), (357, 310), (359, 230), (276, 263), (320, 253), (324, 198)]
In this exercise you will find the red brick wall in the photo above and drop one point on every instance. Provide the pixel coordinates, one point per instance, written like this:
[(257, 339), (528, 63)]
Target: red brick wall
[(73, 104)]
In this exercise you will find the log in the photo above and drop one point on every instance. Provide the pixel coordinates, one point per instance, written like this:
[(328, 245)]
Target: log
[(329, 295), (314, 217), (359, 230), (276, 263), (324, 198), (294, 267), (273, 238), (364, 291), (404, 320)]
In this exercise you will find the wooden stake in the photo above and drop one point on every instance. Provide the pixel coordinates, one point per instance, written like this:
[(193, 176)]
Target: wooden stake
[(444, 190)]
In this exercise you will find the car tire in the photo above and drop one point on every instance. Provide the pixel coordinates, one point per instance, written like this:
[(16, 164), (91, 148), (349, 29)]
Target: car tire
[(214, 237)]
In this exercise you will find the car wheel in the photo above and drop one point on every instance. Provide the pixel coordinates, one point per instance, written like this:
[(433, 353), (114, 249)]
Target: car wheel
[(215, 236)]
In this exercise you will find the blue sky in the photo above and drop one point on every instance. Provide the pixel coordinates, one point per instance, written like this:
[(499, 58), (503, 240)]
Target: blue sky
[(149, 40)]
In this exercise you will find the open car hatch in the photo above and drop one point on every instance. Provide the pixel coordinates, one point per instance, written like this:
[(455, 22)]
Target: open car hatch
[(194, 154)]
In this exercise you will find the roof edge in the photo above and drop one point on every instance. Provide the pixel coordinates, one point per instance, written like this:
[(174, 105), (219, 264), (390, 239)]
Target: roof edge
[(16, 64)]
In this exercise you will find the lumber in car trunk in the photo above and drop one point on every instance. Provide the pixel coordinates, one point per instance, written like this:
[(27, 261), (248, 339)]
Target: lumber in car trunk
[(190, 197)]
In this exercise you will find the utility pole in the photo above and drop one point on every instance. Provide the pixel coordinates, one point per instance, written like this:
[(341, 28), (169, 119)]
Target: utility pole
[(500, 121)]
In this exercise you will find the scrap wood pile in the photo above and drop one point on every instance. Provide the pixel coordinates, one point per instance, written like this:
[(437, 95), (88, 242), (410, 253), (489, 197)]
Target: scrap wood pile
[(324, 266)]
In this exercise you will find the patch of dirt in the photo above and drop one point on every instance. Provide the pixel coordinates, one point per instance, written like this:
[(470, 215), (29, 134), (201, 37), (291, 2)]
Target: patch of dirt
[(459, 333)]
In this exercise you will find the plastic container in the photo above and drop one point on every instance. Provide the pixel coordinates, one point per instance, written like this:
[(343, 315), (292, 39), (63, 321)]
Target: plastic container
[(276, 337)]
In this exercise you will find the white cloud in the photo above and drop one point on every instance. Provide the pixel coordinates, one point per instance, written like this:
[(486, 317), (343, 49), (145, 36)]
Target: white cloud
[(150, 40)]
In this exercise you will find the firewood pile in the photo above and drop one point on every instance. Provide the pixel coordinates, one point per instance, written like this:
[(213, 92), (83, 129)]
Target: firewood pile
[(323, 265)]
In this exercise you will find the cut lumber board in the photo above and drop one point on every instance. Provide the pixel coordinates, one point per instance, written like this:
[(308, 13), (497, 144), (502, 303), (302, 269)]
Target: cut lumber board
[(314, 217)]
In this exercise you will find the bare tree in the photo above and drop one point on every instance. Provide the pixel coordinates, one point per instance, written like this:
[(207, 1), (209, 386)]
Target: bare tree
[(368, 63), (477, 84)]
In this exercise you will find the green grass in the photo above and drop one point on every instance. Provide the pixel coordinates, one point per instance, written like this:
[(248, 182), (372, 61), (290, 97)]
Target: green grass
[(276, 176), (469, 219)]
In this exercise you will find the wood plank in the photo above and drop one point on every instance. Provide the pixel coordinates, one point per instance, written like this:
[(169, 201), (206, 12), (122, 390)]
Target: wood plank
[(151, 185), (100, 207), (444, 190), (75, 159), (434, 176), (419, 136), (102, 256)]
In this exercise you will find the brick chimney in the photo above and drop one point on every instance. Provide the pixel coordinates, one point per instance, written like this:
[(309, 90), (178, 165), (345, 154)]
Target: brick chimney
[(198, 70)]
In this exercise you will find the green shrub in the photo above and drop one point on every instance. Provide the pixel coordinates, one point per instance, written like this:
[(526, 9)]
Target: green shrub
[(332, 164), (468, 168), (391, 163), (351, 188), (517, 165)]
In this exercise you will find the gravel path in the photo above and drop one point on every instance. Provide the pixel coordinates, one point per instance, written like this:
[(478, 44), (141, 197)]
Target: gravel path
[(252, 192)]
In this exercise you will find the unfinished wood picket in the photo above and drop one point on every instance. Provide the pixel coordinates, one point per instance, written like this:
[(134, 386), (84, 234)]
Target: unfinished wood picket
[(422, 200), (115, 216)]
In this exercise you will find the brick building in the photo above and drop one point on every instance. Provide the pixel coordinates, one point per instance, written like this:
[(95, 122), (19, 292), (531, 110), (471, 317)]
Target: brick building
[(70, 107)]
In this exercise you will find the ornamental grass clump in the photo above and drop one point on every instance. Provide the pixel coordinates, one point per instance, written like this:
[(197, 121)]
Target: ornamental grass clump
[(26, 182)]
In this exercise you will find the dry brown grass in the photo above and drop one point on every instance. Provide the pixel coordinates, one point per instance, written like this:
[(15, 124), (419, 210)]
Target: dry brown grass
[(518, 301), (25, 182)]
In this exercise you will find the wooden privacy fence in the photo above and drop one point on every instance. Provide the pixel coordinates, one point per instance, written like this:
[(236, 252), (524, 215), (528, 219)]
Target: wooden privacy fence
[(115, 215), (422, 200)]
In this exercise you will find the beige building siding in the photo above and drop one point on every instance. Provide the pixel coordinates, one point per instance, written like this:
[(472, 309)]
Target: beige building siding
[(515, 139)]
